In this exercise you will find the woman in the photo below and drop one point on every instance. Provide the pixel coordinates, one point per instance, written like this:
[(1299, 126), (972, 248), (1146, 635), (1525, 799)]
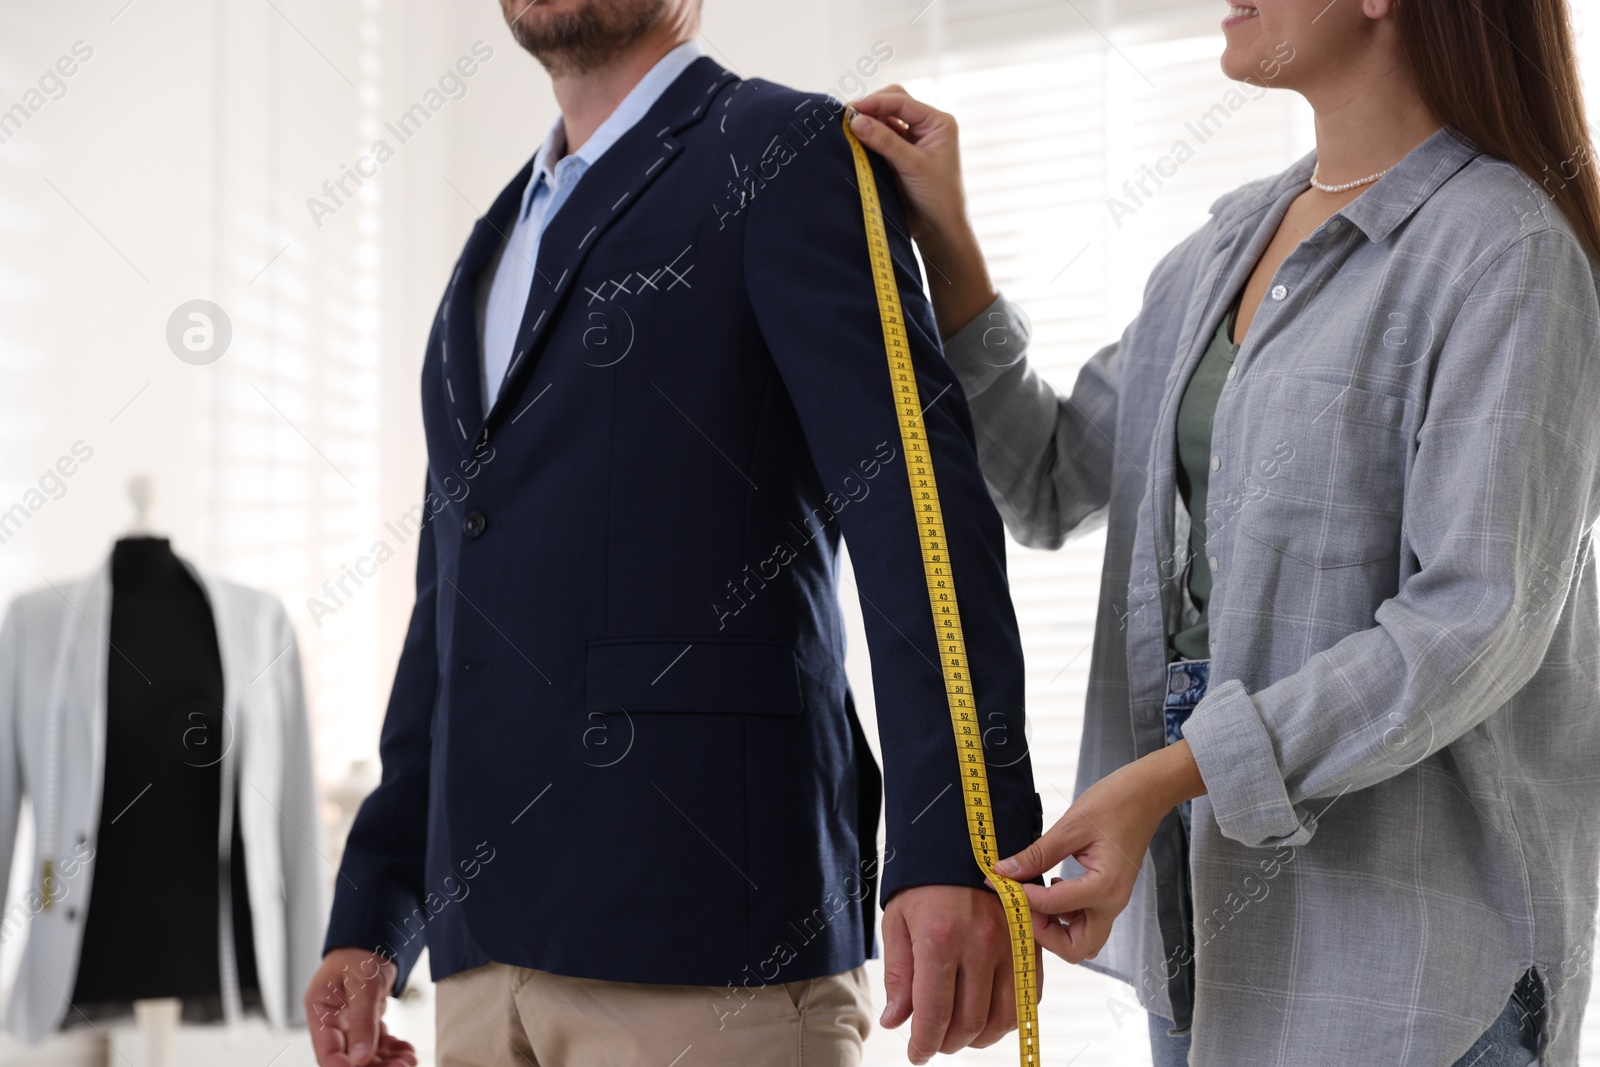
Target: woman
[(1348, 452)]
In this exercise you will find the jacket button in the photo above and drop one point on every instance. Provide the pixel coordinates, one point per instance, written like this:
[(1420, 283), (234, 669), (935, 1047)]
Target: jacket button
[(473, 525)]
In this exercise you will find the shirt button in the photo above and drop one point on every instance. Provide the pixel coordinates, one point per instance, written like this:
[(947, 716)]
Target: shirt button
[(474, 524), (1212, 560), (1231, 372), (1334, 224), (1279, 292), (1216, 463)]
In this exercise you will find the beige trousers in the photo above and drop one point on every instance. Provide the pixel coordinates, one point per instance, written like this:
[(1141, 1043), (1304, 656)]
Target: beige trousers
[(503, 1016)]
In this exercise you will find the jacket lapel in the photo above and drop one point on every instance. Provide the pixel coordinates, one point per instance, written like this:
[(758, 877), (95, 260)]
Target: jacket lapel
[(460, 361), (82, 652), (604, 194)]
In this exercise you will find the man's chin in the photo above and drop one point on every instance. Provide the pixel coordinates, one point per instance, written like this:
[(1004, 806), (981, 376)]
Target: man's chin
[(540, 25), (577, 35)]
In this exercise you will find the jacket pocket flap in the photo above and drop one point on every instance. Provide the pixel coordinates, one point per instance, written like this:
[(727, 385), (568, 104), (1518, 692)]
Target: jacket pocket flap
[(701, 675)]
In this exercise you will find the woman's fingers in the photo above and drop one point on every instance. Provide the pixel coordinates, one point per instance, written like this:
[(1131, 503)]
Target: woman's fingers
[(1087, 936), (1060, 841), (894, 103), (1075, 936), (1072, 916), (902, 155), (1050, 932), (1091, 890), (1033, 860)]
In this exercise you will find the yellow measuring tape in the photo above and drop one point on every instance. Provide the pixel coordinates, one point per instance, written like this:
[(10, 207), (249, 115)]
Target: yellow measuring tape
[(946, 615)]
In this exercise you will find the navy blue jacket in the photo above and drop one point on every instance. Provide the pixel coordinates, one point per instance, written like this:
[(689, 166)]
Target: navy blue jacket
[(621, 744)]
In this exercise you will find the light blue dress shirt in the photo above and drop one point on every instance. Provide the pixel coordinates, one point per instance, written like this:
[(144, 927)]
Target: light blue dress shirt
[(504, 283)]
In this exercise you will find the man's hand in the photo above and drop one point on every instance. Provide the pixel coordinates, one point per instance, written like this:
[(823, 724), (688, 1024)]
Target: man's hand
[(344, 1009), (947, 967)]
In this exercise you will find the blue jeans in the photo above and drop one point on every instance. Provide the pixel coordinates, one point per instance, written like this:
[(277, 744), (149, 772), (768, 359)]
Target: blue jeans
[(1186, 684), (1511, 1041)]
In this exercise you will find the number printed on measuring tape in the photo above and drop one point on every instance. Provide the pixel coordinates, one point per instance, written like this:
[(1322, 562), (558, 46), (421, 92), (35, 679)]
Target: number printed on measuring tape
[(946, 613)]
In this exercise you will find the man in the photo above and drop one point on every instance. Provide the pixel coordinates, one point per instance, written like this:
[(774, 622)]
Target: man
[(626, 800)]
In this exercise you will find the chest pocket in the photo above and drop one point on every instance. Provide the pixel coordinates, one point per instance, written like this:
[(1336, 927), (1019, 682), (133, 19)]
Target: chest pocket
[(1337, 501)]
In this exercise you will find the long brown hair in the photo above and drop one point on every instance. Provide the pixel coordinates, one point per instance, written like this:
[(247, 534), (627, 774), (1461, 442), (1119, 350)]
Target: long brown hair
[(1504, 73)]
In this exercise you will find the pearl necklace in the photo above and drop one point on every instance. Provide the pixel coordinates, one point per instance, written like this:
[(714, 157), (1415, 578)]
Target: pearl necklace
[(1346, 185)]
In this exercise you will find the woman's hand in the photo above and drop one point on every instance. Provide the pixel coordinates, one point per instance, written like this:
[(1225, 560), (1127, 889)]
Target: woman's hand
[(921, 143), (1107, 831), (923, 146)]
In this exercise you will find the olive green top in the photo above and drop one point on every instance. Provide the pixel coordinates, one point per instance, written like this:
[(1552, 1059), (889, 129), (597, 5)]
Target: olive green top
[(1195, 410)]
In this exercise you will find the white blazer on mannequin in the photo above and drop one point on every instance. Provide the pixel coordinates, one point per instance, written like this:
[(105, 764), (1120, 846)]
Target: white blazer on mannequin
[(53, 659)]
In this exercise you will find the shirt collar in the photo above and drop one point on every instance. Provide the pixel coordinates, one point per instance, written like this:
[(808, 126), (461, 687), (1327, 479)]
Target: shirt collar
[(1387, 203), (626, 115)]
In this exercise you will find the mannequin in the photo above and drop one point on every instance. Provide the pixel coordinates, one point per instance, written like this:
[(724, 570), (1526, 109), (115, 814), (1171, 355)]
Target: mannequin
[(175, 870)]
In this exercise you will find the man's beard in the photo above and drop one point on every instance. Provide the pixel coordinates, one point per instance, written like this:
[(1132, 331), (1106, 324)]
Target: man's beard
[(572, 42)]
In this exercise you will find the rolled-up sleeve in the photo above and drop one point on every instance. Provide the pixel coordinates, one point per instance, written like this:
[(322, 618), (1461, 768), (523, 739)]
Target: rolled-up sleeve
[(1046, 457), (1498, 508)]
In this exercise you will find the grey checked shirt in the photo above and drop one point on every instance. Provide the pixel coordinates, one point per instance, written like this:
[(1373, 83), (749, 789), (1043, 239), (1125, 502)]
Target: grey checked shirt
[(1401, 739)]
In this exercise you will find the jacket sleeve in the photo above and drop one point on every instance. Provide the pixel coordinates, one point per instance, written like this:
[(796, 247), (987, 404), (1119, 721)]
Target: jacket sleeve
[(300, 836), (1046, 456), (1498, 510), (811, 287), (381, 874)]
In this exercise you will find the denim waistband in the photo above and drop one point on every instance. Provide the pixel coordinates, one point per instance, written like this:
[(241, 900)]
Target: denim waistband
[(1186, 684)]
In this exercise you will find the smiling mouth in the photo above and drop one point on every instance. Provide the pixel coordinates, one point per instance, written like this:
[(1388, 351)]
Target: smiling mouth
[(1238, 12)]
